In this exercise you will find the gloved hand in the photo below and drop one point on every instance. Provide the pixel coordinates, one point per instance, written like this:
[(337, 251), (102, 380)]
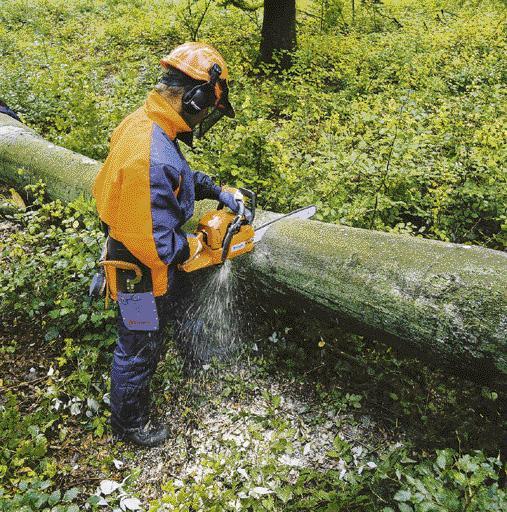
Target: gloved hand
[(230, 197)]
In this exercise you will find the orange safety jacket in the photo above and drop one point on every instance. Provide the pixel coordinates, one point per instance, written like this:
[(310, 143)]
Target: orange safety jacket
[(145, 191)]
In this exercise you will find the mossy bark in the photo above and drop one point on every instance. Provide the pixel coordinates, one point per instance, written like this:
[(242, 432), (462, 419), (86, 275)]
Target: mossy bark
[(25, 157), (447, 301)]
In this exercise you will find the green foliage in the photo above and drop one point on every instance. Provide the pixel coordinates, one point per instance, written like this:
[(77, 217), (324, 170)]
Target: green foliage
[(452, 483), (446, 482), (392, 119), (61, 240), (46, 267), (46, 264), (25, 463), (37, 495), (24, 445), (438, 409)]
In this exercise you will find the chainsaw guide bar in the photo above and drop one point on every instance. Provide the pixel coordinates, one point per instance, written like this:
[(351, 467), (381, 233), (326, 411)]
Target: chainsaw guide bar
[(307, 212)]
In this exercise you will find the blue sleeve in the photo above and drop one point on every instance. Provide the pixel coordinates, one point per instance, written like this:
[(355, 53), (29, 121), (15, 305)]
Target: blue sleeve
[(205, 188), (167, 217), (8, 111)]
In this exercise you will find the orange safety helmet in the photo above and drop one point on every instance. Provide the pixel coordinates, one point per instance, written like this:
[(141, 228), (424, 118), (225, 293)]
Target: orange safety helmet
[(202, 62), (195, 60)]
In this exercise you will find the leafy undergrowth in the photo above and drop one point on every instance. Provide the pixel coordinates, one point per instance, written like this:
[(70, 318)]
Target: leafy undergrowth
[(307, 418), (392, 117), (265, 435), (434, 407)]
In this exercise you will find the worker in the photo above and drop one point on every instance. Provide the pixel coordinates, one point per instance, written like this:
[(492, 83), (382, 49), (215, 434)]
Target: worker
[(145, 192)]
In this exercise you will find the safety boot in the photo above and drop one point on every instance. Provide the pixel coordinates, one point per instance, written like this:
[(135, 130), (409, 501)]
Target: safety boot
[(147, 436)]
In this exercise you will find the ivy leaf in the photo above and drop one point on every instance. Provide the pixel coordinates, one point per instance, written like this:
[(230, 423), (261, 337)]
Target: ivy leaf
[(55, 497), (52, 333), (403, 495), (41, 500), (284, 494), (340, 445), (441, 460), (71, 494)]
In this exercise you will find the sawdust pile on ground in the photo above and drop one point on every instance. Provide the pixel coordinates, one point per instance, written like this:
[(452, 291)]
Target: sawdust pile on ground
[(270, 413)]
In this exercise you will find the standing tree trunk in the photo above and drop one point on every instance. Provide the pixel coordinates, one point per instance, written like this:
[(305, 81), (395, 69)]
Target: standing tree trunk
[(278, 30)]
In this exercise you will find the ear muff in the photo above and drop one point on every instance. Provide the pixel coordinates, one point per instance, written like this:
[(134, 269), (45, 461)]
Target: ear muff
[(202, 96)]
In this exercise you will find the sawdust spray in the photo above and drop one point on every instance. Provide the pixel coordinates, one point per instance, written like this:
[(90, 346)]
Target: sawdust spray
[(212, 324)]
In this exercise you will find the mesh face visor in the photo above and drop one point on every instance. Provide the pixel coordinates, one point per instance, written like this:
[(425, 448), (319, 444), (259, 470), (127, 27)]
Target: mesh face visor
[(222, 108), (208, 122), (223, 103)]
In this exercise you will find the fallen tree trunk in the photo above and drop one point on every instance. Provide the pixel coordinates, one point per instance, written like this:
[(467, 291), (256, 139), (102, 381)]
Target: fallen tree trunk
[(25, 157), (447, 301)]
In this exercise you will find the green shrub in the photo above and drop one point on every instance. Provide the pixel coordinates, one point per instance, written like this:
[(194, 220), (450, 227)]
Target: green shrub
[(392, 125), (445, 483), (47, 265), (452, 482)]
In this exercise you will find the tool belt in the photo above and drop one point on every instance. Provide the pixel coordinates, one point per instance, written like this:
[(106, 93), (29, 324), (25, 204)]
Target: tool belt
[(129, 282), (124, 272)]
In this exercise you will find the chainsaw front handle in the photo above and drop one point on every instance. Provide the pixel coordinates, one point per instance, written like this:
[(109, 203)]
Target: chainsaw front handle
[(252, 196)]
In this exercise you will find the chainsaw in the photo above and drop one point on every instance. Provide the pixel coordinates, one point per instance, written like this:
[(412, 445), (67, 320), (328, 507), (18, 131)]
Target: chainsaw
[(225, 235)]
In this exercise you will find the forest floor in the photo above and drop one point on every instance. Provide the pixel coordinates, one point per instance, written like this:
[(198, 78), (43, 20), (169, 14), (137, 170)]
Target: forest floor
[(240, 412), (249, 413), (302, 409)]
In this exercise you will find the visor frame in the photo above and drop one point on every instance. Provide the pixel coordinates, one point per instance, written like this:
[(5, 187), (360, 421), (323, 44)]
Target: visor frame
[(222, 95)]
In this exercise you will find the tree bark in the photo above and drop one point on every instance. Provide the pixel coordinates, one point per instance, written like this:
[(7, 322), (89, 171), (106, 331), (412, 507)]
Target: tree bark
[(278, 30), (444, 302), (66, 173), (448, 302)]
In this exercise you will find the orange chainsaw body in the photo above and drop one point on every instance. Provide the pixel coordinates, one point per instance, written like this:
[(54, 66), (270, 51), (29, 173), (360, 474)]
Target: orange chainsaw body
[(214, 226)]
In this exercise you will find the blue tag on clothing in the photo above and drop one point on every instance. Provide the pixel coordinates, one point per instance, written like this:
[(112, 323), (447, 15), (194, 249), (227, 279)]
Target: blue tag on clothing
[(138, 311)]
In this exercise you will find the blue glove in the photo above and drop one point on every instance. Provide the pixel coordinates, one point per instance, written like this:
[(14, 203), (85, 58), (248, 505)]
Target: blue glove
[(228, 199)]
